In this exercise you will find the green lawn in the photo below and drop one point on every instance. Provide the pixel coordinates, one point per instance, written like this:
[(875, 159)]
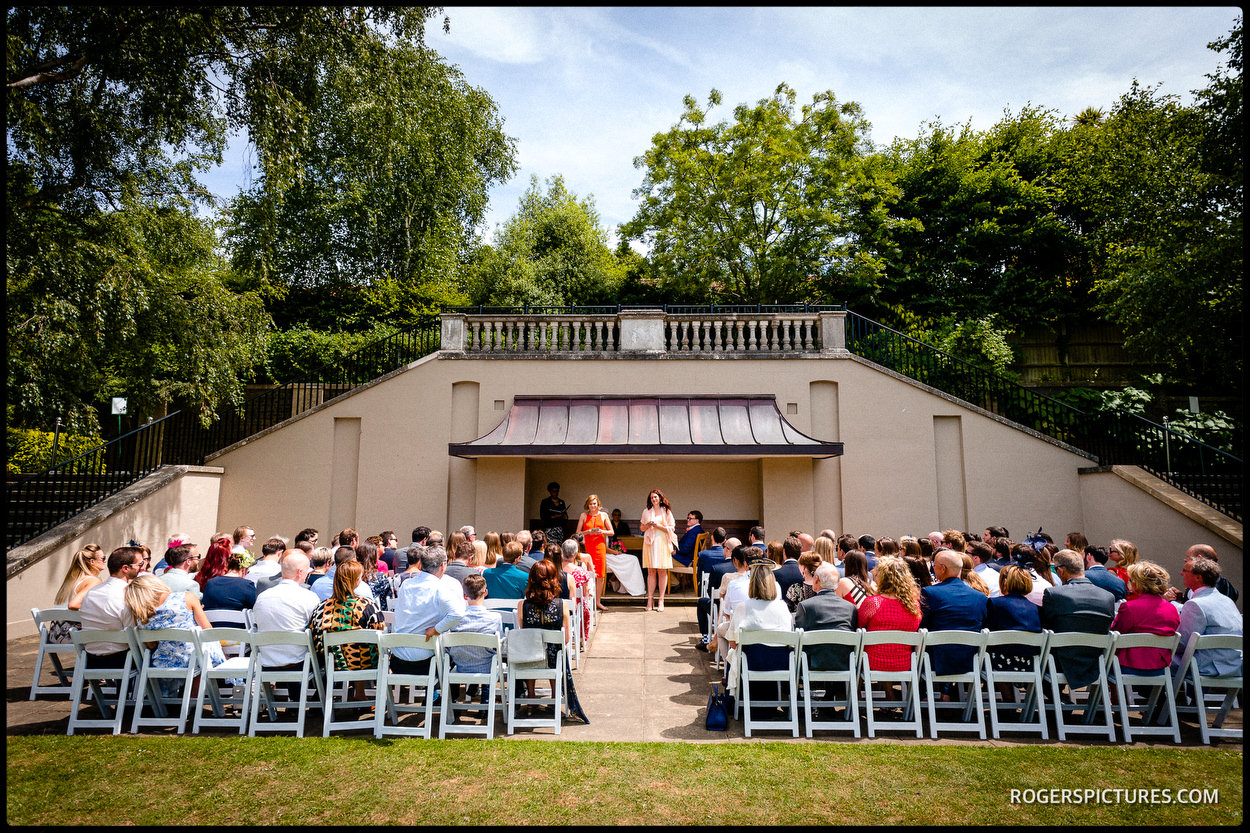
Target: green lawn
[(97, 780)]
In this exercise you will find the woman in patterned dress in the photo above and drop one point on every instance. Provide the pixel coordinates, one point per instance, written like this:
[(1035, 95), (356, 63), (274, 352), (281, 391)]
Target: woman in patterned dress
[(659, 539), (155, 607), (345, 611), (543, 608)]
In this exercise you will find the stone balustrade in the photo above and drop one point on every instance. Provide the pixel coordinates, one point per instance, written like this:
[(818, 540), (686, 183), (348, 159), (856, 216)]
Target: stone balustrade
[(645, 332)]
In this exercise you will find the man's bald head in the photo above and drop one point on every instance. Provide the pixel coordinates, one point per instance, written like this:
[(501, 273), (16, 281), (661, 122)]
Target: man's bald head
[(294, 563), (1201, 551), (947, 564)]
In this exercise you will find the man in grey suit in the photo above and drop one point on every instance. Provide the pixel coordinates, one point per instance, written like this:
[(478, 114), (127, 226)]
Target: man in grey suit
[(458, 566), (825, 611), (1077, 606)]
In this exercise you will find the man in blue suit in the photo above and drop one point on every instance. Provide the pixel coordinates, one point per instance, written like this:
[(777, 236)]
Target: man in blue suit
[(951, 605), (685, 546), (788, 573), (711, 556), (1098, 574)]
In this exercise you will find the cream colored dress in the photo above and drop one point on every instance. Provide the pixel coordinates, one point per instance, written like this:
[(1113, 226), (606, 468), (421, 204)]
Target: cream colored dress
[(658, 543)]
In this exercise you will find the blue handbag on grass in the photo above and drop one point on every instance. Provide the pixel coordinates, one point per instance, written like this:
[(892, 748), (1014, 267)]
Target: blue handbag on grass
[(717, 710)]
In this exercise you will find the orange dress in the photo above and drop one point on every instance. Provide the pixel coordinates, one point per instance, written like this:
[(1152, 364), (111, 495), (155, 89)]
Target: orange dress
[(597, 543)]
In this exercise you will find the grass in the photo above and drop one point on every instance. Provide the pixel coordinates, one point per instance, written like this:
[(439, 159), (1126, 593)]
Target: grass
[(93, 780)]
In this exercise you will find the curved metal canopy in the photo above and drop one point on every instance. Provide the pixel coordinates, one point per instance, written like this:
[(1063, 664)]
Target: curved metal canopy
[(751, 425)]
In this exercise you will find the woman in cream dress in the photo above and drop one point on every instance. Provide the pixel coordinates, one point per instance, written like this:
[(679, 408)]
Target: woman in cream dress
[(659, 539)]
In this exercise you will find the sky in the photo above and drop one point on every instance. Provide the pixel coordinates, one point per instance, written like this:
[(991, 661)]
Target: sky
[(584, 90)]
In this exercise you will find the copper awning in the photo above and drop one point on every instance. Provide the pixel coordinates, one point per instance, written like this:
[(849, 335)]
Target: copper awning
[(749, 425)]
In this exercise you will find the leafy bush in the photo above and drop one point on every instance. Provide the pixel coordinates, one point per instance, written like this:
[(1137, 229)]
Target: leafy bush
[(30, 451)]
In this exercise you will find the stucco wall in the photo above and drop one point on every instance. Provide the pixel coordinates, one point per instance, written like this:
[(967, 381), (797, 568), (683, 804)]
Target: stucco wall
[(1161, 533), (886, 483), (186, 504)]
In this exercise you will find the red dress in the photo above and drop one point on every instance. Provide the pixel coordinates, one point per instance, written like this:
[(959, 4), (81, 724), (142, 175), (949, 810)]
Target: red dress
[(885, 613), (597, 543)]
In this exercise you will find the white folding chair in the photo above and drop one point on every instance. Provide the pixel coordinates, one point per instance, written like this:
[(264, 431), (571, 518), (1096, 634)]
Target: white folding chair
[(149, 688), (909, 680), (829, 639), (788, 641), (1034, 704), (1230, 684), (519, 672), (240, 619), (112, 709), (387, 711), (1097, 691), (339, 682), (52, 650), (211, 678), (964, 681), (494, 695), (1158, 683), (264, 678)]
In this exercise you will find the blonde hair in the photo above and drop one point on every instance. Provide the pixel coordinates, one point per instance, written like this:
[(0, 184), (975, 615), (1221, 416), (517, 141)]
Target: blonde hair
[(494, 548), (1149, 577), (762, 584), (481, 552), (824, 547), (1015, 579), (144, 595), (595, 498), (1127, 551), (969, 576), (79, 568), (894, 579)]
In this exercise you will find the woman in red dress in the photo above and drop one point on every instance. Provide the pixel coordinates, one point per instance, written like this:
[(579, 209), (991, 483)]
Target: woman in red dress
[(593, 528)]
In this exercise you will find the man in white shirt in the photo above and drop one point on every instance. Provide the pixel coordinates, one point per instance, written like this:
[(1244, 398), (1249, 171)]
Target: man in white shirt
[(270, 563), (324, 586), (982, 554), (104, 607), (285, 607), (429, 603), (182, 560), (1207, 611)]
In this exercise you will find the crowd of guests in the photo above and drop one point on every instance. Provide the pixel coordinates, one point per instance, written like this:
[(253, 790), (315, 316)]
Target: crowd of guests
[(953, 580), (432, 586)]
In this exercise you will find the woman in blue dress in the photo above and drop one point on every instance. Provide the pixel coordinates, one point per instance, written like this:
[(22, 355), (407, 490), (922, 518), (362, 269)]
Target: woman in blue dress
[(155, 607)]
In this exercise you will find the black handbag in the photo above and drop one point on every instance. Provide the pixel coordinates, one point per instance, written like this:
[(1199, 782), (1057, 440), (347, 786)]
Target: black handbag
[(717, 711)]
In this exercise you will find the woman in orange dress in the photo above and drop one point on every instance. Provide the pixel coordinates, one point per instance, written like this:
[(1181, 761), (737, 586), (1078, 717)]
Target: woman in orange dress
[(659, 539), (593, 528)]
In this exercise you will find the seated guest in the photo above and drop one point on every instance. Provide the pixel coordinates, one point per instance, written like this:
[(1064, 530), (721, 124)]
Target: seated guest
[(685, 546), (1077, 606), (763, 609), (104, 607), (319, 561), (324, 587), (429, 603), (388, 548), (1013, 611), (214, 561), (231, 591), (1123, 554), (982, 555), (504, 580), (968, 575), (1223, 586), (1096, 571), (345, 611), (271, 553), (1146, 612), (538, 542), (380, 566), (827, 549), (823, 610), (803, 589), (494, 548), (578, 577), (919, 569), (895, 606), (527, 560), (856, 584), (730, 588), (477, 618), (543, 608), (951, 605), (555, 554), (155, 607), (712, 555), (378, 582), (286, 607), (458, 561), (619, 528), (1208, 611), (789, 573), (181, 561)]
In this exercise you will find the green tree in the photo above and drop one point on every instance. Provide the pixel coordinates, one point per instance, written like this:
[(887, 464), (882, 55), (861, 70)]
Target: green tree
[(113, 284), (391, 181), (552, 251), (779, 206)]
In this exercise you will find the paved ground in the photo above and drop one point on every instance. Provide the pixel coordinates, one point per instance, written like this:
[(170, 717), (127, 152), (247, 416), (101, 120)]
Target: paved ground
[(642, 680)]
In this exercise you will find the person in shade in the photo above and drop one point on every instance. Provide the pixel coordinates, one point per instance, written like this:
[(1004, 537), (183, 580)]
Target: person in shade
[(684, 555)]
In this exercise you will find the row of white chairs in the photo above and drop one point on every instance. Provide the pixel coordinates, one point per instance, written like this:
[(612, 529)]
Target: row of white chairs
[(978, 686), (243, 686)]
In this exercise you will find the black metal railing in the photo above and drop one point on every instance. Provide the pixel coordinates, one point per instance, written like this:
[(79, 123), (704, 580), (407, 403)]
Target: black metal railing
[(37, 503), (1114, 437)]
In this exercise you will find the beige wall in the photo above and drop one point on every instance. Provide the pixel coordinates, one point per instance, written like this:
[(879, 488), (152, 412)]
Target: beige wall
[(886, 483), (188, 505), (1161, 534)]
